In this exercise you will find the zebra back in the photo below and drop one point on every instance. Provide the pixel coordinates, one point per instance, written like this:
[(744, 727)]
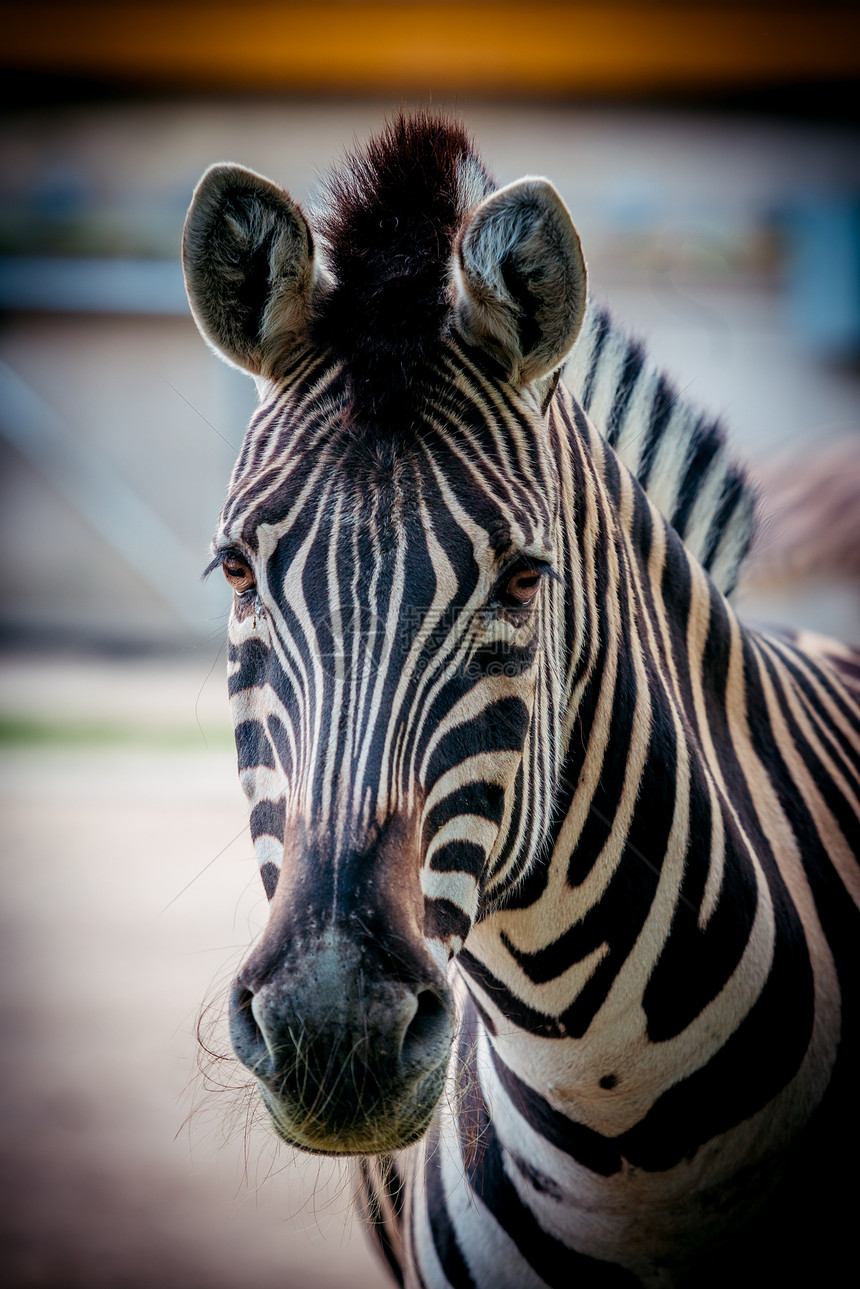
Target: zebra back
[(680, 456)]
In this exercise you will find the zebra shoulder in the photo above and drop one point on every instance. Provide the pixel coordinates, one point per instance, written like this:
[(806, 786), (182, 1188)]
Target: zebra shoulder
[(679, 455)]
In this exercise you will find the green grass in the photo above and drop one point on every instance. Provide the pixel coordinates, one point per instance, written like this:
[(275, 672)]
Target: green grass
[(17, 731)]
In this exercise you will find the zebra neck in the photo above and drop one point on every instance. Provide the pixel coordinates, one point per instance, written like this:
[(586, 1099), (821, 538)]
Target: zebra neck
[(642, 840)]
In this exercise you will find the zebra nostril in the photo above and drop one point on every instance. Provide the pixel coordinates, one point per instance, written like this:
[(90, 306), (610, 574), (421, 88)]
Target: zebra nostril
[(245, 1034), (427, 1038)]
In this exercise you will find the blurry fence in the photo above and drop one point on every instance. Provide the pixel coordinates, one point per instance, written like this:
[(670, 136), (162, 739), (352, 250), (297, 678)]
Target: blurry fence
[(713, 237)]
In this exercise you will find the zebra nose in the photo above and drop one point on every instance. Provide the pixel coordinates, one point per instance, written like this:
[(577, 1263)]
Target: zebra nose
[(349, 1042), (427, 1036), (407, 1031), (246, 1037)]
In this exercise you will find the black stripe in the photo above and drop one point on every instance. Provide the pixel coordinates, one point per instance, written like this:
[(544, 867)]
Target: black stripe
[(598, 1153), (267, 819), (557, 1264), (270, 874), (373, 1214), (733, 494), (252, 746), (476, 798), (662, 407), (706, 442), (442, 919), (633, 364), (602, 329), (459, 857), (442, 1230)]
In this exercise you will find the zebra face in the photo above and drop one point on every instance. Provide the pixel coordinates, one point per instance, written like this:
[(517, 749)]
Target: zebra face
[(391, 536)]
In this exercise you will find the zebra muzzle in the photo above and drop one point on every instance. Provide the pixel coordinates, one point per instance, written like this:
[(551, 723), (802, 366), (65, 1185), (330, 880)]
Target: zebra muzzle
[(349, 1059)]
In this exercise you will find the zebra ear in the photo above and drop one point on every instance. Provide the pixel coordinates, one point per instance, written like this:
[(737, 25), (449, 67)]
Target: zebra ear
[(248, 257), (521, 278)]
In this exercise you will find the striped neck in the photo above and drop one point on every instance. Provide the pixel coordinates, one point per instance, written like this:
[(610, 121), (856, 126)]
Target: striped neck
[(640, 841)]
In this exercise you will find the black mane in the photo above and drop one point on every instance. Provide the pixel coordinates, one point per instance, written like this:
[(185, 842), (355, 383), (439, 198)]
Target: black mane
[(389, 221)]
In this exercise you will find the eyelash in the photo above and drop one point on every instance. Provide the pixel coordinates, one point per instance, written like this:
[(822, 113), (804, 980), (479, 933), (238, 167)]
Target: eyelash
[(503, 598), (222, 558)]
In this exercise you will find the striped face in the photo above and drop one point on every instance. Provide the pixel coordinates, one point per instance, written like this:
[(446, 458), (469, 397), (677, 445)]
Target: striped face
[(393, 546), (391, 661), (390, 623)]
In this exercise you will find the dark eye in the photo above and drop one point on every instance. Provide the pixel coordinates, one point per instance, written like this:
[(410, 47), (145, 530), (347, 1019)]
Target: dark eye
[(521, 587), (238, 574)]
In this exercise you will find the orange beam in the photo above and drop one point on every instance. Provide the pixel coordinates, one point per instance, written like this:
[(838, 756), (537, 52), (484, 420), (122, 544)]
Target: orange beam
[(433, 46)]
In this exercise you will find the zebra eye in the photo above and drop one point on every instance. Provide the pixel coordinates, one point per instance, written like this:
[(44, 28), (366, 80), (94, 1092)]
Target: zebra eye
[(522, 587), (238, 574)]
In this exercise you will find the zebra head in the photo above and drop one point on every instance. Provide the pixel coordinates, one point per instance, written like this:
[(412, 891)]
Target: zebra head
[(400, 623)]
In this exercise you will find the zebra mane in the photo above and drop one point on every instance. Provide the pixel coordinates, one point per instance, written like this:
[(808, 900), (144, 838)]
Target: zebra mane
[(679, 455), (389, 218)]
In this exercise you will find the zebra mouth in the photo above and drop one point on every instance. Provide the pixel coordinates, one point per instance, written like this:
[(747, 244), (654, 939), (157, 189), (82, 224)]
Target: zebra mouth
[(345, 1127)]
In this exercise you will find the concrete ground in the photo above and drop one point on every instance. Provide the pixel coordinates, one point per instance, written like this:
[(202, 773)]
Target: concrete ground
[(129, 893)]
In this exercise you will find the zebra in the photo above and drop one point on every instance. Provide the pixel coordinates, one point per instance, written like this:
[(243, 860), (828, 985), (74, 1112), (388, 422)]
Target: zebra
[(561, 857)]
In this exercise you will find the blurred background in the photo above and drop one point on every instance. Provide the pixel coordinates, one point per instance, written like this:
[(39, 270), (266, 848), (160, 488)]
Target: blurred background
[(710, 156)]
